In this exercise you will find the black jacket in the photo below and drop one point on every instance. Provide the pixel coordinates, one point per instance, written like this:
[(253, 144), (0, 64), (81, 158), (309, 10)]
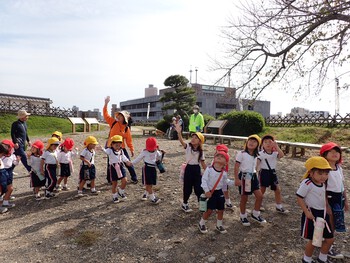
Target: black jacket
[(19, 132)]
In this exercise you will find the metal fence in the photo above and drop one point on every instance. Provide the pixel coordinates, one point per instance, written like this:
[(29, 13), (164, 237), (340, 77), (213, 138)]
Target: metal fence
[(41, 110), (289, 121)]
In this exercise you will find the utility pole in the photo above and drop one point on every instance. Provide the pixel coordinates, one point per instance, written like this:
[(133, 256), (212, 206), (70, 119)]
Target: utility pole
[(337, 96), (196, 74), (191, 75)]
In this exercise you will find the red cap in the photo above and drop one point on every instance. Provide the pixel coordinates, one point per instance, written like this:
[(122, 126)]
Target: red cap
[(39, 145), (222, 148), (227, 157), (329, 146), (68, 144), (10, 144), (151, 144)]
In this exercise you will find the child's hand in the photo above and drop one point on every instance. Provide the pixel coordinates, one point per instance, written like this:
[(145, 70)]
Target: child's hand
[(309, 215), (107, 99), (178, 127), (98, 147), (208, 194), (238, 182), (128, 163), (18, 158)]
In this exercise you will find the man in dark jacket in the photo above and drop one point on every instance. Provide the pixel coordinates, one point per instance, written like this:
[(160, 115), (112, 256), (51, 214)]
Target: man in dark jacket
[(20, 137)]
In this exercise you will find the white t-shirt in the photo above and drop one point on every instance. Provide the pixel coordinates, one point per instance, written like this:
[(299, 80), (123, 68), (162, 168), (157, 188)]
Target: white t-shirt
[(9, 161), (35, 163), (247, 162), (335, 182), (115, 156), (65, 157), (90, 156), (270, 157), (314, 195), (209, 178), (49, 157), (148, 157), (192, 156)]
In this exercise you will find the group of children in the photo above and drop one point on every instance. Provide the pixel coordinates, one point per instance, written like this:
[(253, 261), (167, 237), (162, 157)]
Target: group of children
[(321, 192)]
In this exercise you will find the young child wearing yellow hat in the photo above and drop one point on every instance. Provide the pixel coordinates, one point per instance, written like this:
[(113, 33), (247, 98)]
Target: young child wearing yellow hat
[(116, 160), (194, 160), (247, 181), (49, 164), (87, 167), (311, 197)]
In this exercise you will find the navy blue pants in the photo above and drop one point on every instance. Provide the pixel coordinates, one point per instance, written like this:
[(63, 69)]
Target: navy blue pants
[(20, 152)]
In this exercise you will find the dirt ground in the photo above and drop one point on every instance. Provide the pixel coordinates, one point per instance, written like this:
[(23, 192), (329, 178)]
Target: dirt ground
[(93, 229)]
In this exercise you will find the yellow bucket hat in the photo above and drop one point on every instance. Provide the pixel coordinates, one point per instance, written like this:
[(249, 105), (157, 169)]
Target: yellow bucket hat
[(256, 137), (90, 140), (116, 138), (316, 162), (200, 136), (51, 141)]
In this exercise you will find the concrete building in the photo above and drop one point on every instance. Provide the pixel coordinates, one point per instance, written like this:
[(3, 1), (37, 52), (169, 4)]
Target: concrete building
[(212, 100)]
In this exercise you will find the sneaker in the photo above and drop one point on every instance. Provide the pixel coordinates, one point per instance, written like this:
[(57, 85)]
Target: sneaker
[(9, 205), (144, 197), (135, 181), (262, 209), (321, 261), (49, 195), (94, 192), (38, 197), (221, 229), (115, 200), (303, 261), (122, 197), (3, 210), (258, 219), (12, 197), (80, 194), (1, 198), (186, 208), (333, 253), (229, 206), (155, 201), (65, 188), (202, 228), (245, 221), (281, 210)]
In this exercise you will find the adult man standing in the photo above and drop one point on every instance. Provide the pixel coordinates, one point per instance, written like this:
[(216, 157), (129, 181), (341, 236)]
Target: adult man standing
[(196, 120), (20, 137)]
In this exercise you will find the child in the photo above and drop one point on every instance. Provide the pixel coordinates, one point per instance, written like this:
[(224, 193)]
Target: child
[(311, 197), (64, 158), (48, 166), (214, 179), (149, 172), (269, 153), (194, 157), (223, 148), (57, 135), (9, 161), (336, 192), (3, 175), (247, 180), (116, 168), (37, 179), (87, 167)]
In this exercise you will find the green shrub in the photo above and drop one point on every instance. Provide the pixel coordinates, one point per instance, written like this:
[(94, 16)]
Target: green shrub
[(243, 123), (163, 125), (207, 118)]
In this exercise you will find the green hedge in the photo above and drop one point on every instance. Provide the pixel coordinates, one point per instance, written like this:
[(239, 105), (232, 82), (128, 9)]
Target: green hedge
[(243, 123)]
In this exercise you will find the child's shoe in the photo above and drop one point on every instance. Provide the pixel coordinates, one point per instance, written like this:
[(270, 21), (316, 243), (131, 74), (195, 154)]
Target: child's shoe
[(3, 210), (245, 221), (186, 208), (94, 192), (80, 194), (221, 229), (229, 206), (115, 200), (258, 219), (155, 200), (144, 197), (281, 210), (65, 188), (333, 253), (122, 197), (49, 195), (57, 188), (202, 228), (8, 205)]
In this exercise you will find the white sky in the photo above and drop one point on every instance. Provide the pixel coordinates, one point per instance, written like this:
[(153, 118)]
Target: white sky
[(78, 51)]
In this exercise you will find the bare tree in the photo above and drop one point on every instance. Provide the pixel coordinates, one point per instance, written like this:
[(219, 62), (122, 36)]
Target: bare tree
[(274, 39)]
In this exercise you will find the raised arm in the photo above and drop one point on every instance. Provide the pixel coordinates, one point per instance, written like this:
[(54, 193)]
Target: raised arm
[(178, 128)]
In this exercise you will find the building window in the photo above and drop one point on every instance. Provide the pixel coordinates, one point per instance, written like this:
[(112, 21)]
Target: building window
[(250, 107), (225, 106)]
